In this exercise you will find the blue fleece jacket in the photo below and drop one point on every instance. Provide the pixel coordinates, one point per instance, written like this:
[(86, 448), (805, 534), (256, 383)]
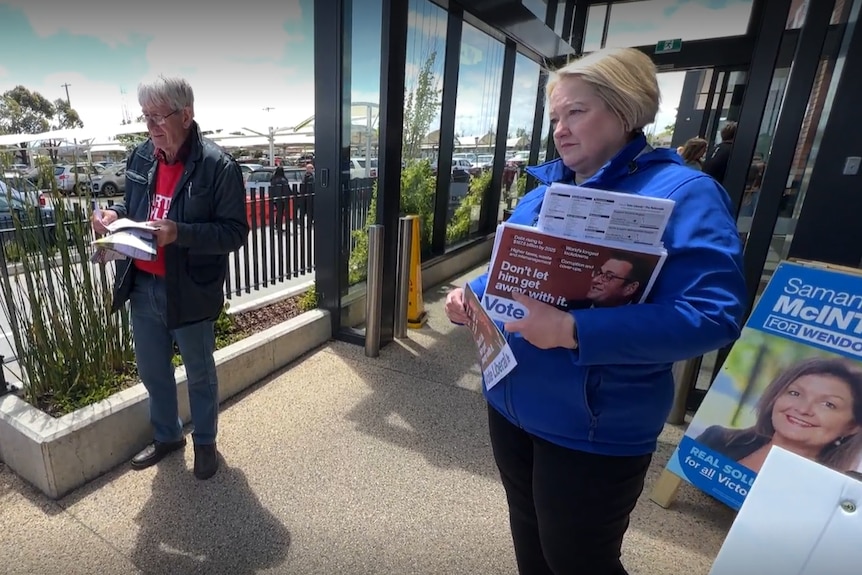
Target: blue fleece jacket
[(612, 395)]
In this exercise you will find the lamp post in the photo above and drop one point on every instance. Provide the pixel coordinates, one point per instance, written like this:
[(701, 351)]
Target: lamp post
[(271, 136)]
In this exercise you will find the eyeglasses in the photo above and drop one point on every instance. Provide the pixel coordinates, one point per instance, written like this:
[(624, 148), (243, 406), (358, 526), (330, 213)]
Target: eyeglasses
[(157, 119), (608, 276)]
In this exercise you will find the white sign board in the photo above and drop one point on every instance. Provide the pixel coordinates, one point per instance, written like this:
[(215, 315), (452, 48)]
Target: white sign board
[(800, 518)]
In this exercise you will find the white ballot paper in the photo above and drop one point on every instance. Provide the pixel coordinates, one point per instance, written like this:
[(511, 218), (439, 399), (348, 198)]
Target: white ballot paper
[(800, 518), (126, 238), (137, 244), (589, 214)]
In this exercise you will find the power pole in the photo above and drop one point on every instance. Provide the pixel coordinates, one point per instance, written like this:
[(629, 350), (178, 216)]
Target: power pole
[(68, 101)]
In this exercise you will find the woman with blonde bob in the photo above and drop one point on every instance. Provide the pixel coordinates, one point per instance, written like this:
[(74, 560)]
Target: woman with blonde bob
[(574, 425)]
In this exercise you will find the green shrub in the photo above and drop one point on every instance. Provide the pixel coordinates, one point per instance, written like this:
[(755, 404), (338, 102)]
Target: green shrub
[(357, 265), (309, 300), (521, 185), (71, 350), (418, 190), (459, 226)]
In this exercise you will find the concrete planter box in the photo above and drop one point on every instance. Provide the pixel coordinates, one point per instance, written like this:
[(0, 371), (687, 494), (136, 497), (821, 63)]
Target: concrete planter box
[(57, 455)]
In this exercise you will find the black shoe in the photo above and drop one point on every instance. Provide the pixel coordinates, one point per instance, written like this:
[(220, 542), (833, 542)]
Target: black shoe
[(155, 452), (206, 461)]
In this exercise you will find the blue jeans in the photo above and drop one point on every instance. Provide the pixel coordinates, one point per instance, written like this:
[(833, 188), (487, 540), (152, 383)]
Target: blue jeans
[(154, 350)]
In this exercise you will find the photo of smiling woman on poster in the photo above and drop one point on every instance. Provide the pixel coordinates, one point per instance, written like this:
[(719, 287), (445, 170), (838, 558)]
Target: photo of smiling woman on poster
[(813, 408)]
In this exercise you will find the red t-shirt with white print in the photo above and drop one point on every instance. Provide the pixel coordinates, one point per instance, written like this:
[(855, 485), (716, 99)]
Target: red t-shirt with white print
[(167, 178)]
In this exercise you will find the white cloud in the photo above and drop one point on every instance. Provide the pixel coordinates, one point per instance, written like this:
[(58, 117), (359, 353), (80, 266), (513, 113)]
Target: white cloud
[(231, 61), (431, 25), (174, 22), (4, 71), (645, 23), (98, 103)]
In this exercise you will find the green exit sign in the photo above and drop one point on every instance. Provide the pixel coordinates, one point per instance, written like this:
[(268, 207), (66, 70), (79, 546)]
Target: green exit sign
[(668, 46)]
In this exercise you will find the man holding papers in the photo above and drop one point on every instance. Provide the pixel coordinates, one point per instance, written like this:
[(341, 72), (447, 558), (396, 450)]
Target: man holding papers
[(573, 426), (192, 195)]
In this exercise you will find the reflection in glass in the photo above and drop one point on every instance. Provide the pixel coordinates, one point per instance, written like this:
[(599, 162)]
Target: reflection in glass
[(595, 27), (426, 47), (558, 21), (479, 80), (547, 141), (841, 12), (537, 7), (762, 149), (360, 140), (647, 22), (797, 180), (799, 10), (796, 16), (522, 113), (804, 156)]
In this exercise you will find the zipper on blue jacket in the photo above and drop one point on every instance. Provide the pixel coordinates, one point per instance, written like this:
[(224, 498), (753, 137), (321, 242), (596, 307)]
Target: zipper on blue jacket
[(593, 421), (508, 395)]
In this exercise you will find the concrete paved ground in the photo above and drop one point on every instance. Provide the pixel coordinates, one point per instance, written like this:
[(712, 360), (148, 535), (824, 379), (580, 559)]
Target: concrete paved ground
[(339, 464)]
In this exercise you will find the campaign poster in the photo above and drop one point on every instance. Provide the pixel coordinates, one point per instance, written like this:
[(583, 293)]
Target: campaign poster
[(564, 272), (496, 359), (793, 380)]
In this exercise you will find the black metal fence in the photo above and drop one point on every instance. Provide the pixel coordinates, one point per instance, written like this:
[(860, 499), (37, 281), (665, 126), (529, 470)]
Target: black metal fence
[(279, 247)]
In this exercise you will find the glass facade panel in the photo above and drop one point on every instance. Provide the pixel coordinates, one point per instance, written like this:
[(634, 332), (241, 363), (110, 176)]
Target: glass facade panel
[(797, 180), (426, 51), (841, 12), (547, 136), (647, 22), (476, 111), (796, 16), (521, 116), (537, 7), (799, 9), (558, 20), (595, 27), (803, 160), (360, 137)]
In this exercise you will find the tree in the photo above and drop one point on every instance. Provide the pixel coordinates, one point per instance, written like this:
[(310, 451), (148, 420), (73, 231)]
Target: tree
[(131, 141), (25, 112), (420, 107), (65, 117)]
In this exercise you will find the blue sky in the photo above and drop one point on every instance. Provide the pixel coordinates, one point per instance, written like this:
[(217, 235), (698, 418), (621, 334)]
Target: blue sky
[(250, 55)]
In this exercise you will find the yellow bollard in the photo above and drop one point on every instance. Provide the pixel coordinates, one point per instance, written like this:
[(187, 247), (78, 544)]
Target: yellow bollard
[(416, 315)]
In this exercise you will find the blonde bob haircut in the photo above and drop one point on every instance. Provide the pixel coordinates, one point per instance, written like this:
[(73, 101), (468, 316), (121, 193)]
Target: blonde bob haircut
[(623, 78)]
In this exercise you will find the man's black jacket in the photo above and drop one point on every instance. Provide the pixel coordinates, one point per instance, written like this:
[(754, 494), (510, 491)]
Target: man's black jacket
[(209, 208)]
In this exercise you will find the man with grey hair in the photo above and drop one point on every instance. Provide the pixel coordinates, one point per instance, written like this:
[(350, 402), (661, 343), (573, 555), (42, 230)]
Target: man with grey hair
[(193, 193)]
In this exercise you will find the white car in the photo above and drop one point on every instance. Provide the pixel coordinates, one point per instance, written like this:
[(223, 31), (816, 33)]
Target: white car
[(358, 168)]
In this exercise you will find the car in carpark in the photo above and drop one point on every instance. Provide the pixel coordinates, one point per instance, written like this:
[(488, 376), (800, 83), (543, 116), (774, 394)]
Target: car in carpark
[(22, 188), (358, 168), (19, 220), (259, 179), (111, 182), (75, 179), (257, 189)]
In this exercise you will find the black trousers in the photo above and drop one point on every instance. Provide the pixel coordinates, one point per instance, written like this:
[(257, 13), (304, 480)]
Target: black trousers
[(568, 509)]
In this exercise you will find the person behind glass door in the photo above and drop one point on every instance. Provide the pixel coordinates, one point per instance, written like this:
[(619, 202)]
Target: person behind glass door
[(574, 425), (716, 165), (194, 194), (693, 152)]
